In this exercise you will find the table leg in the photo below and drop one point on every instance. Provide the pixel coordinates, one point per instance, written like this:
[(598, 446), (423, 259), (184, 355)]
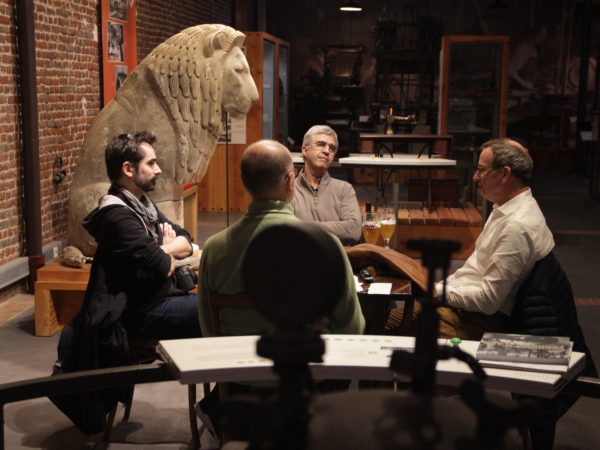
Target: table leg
[(395, 191), (428, 204), (46, 321)]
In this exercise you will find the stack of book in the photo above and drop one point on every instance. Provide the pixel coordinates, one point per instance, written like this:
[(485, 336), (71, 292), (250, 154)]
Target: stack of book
[(526, 352), (550, 357)]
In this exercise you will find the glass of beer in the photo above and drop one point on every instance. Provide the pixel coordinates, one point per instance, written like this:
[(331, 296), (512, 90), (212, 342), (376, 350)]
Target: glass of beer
[(387, 217), (371, 227)]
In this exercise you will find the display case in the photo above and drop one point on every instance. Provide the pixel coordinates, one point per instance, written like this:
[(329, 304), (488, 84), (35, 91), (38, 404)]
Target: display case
[(472, 99), (473, 88), (268, 58)]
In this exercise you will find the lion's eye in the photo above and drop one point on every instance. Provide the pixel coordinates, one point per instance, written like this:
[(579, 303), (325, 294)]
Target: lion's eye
[(239, 69)]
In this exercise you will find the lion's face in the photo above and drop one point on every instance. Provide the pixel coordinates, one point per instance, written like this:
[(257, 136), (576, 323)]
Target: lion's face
[(239, 89)]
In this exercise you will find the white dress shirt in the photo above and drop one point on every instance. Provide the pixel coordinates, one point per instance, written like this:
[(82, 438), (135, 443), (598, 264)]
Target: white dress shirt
[(513, 239)]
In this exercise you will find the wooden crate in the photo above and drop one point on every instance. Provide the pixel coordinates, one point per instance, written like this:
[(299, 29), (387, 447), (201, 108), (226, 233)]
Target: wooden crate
[(461, 224)]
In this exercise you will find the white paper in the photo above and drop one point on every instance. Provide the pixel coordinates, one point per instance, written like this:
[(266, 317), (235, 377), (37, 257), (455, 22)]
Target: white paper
[(380, 288)]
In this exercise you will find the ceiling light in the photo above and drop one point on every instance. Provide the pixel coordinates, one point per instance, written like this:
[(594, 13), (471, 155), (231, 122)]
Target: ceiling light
[(351, 6)]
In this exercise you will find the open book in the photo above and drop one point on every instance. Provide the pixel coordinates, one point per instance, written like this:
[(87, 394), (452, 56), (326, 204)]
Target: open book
[(525, 352)]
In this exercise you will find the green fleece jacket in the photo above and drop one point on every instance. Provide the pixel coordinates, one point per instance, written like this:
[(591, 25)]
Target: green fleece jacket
[(221, 272)]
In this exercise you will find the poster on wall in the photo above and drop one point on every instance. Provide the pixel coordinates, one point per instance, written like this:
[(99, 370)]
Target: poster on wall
[(235, 130), (119, 48)]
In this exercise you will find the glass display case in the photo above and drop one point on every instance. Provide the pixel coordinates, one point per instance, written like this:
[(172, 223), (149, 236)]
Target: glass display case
[(268, 58), (473, 88), (473, 91)]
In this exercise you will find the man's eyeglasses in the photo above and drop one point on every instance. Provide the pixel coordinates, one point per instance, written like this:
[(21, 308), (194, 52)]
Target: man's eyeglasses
[(322, 145), (482, 170)]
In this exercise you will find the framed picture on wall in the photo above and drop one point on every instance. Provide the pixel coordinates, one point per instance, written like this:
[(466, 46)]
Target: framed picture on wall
[(117, 9), (120, 75), (115, 41), (119, 47)]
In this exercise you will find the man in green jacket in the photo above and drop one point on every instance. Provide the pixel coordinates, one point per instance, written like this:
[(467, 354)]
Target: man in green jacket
[(268, 175)]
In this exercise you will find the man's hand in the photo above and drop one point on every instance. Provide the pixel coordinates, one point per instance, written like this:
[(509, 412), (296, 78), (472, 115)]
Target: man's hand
[(168, 233), (173, 245)]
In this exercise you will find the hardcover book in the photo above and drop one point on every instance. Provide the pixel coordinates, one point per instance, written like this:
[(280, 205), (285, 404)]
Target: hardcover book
[(522, 348)]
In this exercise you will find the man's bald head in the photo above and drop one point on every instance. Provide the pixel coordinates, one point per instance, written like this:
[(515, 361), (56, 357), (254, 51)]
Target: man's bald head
[(510, 153), (265, 166)]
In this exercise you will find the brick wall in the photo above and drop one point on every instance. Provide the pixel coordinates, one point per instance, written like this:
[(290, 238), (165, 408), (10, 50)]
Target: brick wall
[(11, 213), (160, 19), (69, 95), (68, 80)]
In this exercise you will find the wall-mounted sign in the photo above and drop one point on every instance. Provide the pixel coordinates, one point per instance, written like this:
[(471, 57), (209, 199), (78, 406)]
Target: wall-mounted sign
[(236, 128), (119, 47)]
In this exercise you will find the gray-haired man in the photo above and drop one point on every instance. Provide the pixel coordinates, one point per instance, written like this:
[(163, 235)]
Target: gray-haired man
[(321, 199)]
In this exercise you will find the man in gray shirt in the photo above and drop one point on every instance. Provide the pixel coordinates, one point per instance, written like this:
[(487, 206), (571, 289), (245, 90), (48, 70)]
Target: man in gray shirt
[(321, 199)]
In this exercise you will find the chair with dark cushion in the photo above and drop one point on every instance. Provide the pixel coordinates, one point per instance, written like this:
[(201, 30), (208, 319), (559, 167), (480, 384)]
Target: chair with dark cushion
[(544, 306)]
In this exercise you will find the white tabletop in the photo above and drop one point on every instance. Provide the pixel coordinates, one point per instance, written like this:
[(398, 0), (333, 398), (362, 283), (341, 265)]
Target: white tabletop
[(297, 157), (399, 160), (364, 357)]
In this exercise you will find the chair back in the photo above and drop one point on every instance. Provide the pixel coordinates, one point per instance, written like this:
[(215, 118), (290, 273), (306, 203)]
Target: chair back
[(545, 306), (219, 301)]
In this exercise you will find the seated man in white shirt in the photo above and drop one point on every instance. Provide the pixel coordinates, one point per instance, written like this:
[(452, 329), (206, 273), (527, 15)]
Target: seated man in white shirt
[(481, 294)]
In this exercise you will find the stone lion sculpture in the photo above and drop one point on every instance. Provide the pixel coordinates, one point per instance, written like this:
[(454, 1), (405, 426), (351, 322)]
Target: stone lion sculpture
[(180, 93)]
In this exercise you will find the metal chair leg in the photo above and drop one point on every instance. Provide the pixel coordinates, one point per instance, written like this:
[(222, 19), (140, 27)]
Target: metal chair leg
[(193, 417)]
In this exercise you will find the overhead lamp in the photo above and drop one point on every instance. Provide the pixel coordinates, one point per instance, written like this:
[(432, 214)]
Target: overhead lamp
[(351, 6)]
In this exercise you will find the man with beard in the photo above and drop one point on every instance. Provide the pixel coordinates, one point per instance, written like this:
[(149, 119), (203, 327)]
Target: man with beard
[(138, 246), (134, 290)]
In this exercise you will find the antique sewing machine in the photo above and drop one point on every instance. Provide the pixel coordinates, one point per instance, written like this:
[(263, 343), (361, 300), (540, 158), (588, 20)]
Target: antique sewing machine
[(392, 121)]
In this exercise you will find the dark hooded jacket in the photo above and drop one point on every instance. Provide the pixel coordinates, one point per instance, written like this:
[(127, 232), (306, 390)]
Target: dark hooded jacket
[(128, 275)]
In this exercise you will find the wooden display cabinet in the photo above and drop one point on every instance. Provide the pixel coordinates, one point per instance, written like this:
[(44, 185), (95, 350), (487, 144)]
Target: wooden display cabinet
[(268, 58), (473, 87), (473, 92)]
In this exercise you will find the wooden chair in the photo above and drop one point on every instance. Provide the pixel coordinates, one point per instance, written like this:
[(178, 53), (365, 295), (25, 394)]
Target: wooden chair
[(216, 303), (219, 301), (143, 351)]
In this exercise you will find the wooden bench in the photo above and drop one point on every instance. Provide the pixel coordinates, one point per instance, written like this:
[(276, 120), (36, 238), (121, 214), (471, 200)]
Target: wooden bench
[(59, 292), (462, 224), (58, 295)]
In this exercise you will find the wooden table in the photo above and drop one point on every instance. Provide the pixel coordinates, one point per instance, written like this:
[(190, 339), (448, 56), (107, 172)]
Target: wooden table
[(58, 295)]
